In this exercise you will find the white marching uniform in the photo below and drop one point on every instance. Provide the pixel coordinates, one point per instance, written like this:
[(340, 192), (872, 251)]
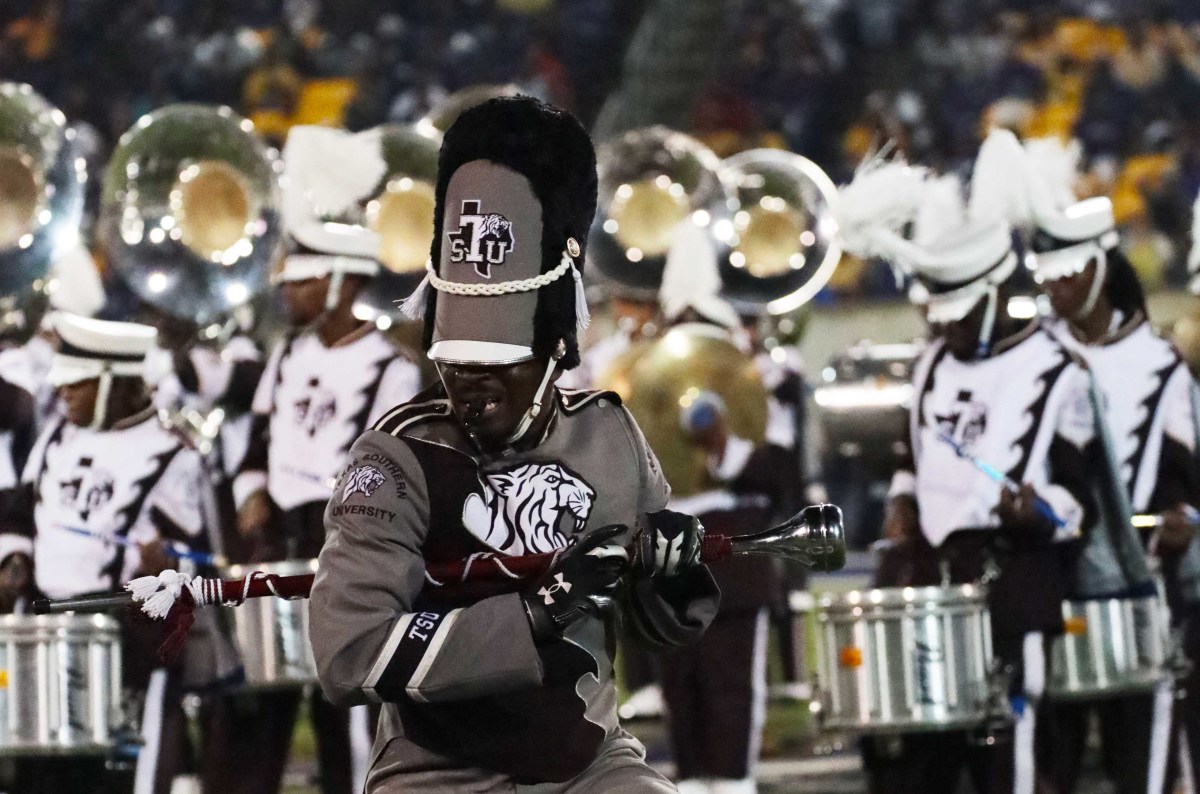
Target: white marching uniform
[(1148, 411), (1006, 410), (136, 482), (314, 401), (1025, 410), (1147, 399), (214, 374)]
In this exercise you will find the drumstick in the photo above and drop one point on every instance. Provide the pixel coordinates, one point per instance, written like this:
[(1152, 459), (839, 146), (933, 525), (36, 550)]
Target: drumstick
[(172, 549), (1041, 505)]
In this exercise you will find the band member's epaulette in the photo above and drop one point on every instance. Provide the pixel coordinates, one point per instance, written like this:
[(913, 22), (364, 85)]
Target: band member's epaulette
[(402, 417), (575, 400)]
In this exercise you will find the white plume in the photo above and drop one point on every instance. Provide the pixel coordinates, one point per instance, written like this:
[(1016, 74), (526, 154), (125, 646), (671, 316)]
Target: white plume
[(941, 209), (1057, 164), (77, 285), (875, 206), (999, 181), (327, 171), (691, 278)]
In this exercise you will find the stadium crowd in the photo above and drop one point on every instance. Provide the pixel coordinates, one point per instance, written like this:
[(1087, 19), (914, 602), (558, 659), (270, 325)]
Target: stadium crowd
[(832, 79)]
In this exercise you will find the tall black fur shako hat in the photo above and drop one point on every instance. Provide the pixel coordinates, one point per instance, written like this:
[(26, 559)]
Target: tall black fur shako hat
[(516, 193)]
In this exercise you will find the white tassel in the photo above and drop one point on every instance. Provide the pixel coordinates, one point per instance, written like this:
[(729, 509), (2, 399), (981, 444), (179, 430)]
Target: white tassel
[(157, 594), (413, 307), (583, 317)]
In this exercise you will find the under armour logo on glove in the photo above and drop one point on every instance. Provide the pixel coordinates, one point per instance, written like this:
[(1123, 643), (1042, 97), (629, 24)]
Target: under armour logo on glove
[(559, 584), (581, 580)]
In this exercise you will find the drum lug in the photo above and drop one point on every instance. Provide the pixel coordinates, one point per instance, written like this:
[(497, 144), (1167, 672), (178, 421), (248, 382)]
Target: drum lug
[(818, 705)]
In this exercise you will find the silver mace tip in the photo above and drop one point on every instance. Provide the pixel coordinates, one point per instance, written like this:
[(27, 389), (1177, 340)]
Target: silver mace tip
[(813, 537)]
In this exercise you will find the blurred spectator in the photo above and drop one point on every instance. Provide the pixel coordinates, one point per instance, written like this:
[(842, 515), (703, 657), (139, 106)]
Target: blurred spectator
[(33, 36), (831, 79), (273, 84), (545, 77)]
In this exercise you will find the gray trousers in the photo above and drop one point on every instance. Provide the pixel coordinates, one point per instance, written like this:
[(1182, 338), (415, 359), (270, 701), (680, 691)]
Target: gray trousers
[(620, 766)]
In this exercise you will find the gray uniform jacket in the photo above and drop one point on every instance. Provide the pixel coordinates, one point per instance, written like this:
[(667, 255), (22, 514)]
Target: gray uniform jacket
[(466, 690)]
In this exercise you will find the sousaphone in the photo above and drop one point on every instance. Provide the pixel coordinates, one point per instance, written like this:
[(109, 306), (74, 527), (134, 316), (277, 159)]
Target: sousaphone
[(781, 234), (401, 213), (658, 379), (650, 180), (42, 181), (189, 214)]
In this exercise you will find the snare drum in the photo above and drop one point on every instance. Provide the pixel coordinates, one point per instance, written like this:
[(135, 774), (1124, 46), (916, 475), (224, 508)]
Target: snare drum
[(907, 659), (1109, 647), (271, 634), (60, 684)]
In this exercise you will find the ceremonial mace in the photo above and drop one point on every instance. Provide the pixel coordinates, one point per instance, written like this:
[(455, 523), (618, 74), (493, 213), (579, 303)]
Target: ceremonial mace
[(814, 537)]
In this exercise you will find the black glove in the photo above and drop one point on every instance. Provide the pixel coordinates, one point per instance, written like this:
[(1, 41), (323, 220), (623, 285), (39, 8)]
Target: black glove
[(581, 579), (671, 544)]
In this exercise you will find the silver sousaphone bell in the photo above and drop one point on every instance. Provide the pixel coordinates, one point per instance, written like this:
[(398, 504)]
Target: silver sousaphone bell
[(41, 199), (401, 212), (189, 213), (649, 180), (781, 233)]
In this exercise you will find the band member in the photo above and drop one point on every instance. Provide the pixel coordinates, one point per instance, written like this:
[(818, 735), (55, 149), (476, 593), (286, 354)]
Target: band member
[(105, 489), (330, 378), (494, 691), (793, 426), (1184, 590), (1005, 391), (715, 691), (192, 373), (1101, 315)]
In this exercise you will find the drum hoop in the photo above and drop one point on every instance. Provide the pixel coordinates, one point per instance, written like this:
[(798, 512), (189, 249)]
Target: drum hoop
[(891, 597)]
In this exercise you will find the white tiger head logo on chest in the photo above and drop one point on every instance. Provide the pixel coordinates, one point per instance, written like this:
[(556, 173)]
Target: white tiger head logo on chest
[(521, 507)]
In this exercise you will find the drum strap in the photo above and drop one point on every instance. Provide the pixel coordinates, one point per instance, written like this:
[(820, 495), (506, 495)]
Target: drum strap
[(1189, 565), (1115, 505)]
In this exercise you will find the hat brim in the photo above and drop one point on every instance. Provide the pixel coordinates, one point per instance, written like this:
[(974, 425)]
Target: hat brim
[(953, 306), (467, 351), (302, 267), (68, 370), (1065, 262)]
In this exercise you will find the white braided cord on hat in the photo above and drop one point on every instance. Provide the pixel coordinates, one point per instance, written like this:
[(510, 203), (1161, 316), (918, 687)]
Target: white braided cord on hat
[(414, 305), (501, 287)]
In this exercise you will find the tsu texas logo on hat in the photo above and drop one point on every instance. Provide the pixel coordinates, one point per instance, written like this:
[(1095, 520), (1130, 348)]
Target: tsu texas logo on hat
[(516, 193), (483, 239)]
